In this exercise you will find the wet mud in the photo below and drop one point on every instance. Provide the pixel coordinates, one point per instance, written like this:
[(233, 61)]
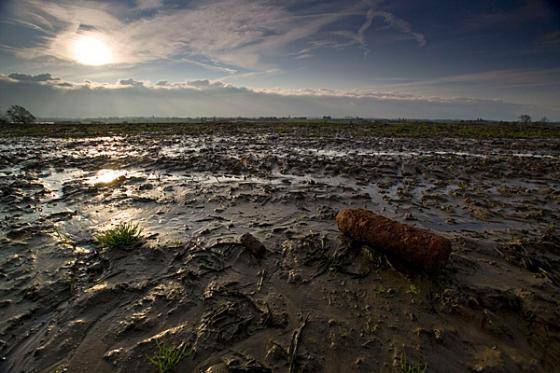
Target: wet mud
[(311, 300)]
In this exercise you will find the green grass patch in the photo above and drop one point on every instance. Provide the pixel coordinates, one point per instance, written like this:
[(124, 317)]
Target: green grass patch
[(166, 358), (122, 236), (412, 289), (412, 366)]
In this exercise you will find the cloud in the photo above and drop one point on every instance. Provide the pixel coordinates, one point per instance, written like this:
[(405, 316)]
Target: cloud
[(84, 27), (507, 78), (220, 35), (57, 98), (148, 4), (539, 86), (31, 78), (401, 25), (239, 33), (131, 82), (205, 84), (359, 37), (333, 42), (550, 39)]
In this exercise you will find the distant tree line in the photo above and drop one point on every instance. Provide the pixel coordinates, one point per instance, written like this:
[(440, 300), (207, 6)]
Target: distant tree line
[(17, 114), (526, 119)]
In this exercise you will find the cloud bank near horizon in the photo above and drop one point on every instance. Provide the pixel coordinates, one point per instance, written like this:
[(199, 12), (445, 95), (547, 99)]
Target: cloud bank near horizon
[(49, 96)]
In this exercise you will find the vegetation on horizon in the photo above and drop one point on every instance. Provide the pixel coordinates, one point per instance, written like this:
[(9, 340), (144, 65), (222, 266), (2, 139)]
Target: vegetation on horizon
[(17, 114)]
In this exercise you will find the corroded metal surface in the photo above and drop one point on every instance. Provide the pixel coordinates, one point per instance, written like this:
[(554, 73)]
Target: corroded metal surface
[(416, 246)]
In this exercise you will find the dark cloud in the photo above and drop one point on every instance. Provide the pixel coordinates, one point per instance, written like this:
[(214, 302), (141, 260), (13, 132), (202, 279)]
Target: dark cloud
[(206, 84), (65, 85), (200, 83), (131, 82), (85, 27), (32, 78)]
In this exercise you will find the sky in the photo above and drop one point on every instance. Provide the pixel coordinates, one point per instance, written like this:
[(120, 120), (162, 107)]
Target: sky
[(454, 59)]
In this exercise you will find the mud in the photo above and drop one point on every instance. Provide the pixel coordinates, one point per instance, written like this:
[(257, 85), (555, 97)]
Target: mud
[(311, 300)]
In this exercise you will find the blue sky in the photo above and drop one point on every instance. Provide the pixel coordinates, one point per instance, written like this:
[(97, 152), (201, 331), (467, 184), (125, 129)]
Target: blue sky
[(374, 58)]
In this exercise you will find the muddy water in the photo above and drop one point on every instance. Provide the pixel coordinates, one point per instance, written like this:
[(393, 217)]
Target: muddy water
[(67, 304)]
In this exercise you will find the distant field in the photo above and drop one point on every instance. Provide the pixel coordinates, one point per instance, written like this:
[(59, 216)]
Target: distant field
[(307, 128)]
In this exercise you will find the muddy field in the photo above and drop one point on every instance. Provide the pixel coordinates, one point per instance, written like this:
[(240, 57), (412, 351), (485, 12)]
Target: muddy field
[(316, 302)]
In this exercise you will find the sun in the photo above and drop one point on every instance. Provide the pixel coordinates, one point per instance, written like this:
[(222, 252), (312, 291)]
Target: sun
[(91, 50)]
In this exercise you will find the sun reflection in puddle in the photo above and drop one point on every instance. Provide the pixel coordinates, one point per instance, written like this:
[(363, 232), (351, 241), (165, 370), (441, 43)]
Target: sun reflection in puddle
[(108, 176)]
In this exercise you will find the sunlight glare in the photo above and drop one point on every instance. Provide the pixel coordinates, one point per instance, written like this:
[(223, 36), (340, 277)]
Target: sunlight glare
[(108, 176), (90, 50)]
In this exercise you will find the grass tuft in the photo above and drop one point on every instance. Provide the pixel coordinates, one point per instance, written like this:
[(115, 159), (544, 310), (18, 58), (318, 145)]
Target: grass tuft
[(412, 289), (166, 358), (412, 366), (122, 236)]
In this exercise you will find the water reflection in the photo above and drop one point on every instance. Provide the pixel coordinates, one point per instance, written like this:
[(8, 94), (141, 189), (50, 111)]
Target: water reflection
[(108, 176)]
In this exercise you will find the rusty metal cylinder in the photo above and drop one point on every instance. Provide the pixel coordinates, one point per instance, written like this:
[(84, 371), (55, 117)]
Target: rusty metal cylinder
[(418, 247)]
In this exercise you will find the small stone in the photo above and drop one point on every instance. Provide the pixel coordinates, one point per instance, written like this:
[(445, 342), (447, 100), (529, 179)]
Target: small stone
[(147, 186), (438, 335), (294, 277), (96, 267), (252, 244), (359, 361), (114, 355)]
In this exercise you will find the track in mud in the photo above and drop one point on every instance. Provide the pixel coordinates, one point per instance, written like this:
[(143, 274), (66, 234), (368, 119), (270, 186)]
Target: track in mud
[(67, 304)]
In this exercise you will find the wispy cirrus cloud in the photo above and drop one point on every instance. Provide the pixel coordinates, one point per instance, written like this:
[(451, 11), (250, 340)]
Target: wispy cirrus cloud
[(148, 4), (230, 35), (549, 40), (235, 33), (339, 39), (401, 25), (506, 78)]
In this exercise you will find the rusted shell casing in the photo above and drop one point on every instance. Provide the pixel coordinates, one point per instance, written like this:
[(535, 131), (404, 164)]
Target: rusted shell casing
[(415, 246)]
